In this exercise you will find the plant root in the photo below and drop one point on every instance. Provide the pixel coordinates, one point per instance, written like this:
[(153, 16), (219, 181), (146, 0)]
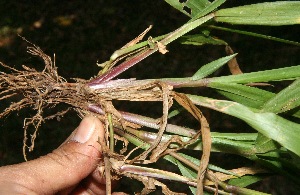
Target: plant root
[(45, 90)]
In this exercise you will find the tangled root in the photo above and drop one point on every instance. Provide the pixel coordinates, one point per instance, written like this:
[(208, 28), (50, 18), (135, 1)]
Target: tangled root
[(38, 91)]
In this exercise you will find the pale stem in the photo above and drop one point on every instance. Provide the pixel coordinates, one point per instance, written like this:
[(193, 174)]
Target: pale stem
[(111, 133), (147, 122)]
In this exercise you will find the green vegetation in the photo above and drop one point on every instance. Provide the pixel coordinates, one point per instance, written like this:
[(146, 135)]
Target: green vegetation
[(249, 122)]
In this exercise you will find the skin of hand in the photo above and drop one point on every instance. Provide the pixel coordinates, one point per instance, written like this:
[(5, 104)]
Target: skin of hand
[(70, 169)]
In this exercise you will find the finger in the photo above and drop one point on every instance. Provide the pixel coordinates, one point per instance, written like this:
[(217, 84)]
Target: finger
[(65, 166)]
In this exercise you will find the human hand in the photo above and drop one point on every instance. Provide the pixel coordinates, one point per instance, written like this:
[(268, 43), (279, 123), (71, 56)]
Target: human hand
[(70, 169)]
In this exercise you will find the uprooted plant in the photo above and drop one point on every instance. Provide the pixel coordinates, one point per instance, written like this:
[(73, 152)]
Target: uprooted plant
[(43, 90)]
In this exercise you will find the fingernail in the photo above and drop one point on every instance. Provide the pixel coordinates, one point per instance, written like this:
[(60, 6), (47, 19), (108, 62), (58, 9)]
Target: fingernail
[(85, 130)]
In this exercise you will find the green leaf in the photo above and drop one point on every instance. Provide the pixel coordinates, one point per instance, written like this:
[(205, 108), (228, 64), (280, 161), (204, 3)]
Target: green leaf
[(255, 101), (283, 131), (243, 148), (187, 27), (268, 13), (197, 6), (285, 100), (175, 112), (194, 6), (210, 166), (264, 144), (201, 39), (246, 92), (211, 67), (235, 136), (241, 99), (245, 180), (211, 7), (187, 173), (255, 35), (287, 73)]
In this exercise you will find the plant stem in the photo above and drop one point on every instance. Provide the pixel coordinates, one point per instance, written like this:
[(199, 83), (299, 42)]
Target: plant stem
[(147, 122), (123, 66), (111, 133), (184, 160), (156, 173), (107, 166), (174, 82), (143, 54), (217, 191), (124, 51)]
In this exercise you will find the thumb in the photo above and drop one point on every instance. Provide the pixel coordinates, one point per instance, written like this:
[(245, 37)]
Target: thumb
[(66, 166)]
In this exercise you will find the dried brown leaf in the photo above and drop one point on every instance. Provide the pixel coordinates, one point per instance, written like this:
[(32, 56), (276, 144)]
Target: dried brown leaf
[(233, 64), (161, 48), (185, 102), (239, 171), (138, 38)]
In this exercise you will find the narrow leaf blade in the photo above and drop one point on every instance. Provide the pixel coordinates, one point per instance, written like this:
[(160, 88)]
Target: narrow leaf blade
[(241, 99), (248, 93), (283, 131), (211, 7), (268, 13), (211, 67), (245, 180), (201, 39), (285, 100), (258, 35), (189, 8), (287, 73)]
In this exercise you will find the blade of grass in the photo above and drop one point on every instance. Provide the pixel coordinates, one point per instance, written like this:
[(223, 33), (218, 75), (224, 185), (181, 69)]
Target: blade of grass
[(268, 13), (283, 131), (255, 35), (211, 67), (264, 144), (285, 100), (187, 27), (211, 7), (242, 99), (245, 180), (194, 6), (211, 167), (247, 92), (187, 172), (234, 189), (287, 73), (201, 39), (260, 97)]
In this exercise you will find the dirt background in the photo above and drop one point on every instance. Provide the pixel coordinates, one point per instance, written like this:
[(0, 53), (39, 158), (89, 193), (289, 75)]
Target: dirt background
[(80, 33)]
